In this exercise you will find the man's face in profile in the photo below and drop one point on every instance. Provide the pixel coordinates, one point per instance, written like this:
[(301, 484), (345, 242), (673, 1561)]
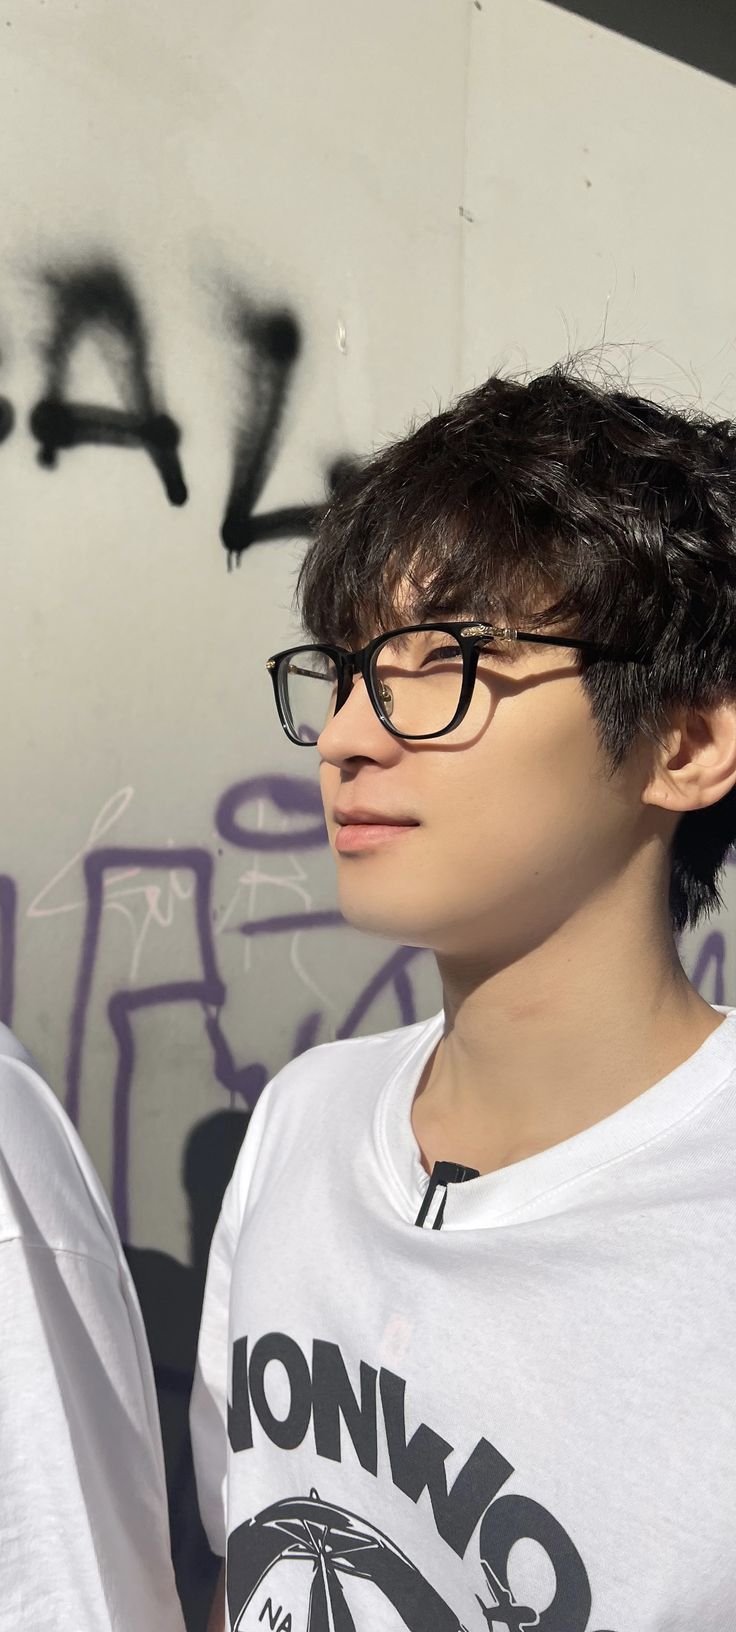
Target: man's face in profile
[(520, 823)]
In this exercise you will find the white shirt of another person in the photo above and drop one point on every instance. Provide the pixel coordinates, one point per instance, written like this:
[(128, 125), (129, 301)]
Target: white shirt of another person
[(84, 1536)]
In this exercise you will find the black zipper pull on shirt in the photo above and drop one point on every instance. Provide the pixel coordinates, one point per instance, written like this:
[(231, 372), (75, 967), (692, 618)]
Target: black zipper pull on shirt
[(443, 1173)]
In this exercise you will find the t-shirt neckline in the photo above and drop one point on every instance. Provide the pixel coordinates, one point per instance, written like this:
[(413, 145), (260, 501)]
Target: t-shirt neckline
[(542, 1182)]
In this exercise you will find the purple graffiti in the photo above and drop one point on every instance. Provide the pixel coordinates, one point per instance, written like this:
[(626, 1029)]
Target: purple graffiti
[(8, 922), (711, 955), (208, 990), (295, 805), (391, 973), (291, 796), (300, 796)]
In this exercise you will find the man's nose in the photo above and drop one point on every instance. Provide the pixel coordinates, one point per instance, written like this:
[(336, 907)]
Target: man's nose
[(355, 728)]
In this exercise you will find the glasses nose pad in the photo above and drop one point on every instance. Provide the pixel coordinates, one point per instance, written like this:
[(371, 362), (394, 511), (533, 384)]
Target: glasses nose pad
[(386, 698)]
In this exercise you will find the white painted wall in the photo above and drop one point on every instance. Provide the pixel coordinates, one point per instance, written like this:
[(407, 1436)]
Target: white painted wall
[(597, 219), (310, 156), (314, 157), (597, 182)]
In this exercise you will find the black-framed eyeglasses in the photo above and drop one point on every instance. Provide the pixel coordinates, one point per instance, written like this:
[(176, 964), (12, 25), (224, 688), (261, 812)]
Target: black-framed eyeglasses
[(419, 687)]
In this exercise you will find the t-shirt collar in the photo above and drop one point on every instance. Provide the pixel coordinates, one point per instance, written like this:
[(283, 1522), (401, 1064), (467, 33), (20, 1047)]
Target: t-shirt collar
[(542, 1183)]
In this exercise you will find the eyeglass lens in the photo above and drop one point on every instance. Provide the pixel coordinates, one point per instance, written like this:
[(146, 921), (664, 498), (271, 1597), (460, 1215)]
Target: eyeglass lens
[(417, 678)]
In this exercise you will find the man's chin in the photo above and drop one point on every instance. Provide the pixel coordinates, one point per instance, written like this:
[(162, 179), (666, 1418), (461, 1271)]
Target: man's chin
[(390, 925)]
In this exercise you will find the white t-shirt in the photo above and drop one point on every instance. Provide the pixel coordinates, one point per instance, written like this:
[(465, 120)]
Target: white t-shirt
[(522, 1418), (84, 1539)]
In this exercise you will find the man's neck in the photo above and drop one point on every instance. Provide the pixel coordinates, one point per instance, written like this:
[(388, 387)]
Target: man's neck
[(536, 1052)]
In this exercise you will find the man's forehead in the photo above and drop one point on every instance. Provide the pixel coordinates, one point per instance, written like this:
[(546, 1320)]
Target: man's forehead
[(406, 616), (418, 611)]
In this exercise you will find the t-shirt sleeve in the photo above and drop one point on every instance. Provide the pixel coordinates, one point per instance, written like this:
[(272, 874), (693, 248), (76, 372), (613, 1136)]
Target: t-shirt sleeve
[(84, 1543), (209, 1403), (208, 1409)]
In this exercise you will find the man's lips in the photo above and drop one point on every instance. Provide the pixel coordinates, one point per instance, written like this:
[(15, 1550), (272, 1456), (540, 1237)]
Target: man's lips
[(365, 835), (361, 816)]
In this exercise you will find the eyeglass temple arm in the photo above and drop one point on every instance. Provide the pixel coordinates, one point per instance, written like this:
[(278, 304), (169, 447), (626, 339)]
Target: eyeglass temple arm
[(610, 652)]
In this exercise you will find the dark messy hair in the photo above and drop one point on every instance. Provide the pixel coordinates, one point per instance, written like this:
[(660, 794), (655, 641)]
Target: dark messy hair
[(567, 504)]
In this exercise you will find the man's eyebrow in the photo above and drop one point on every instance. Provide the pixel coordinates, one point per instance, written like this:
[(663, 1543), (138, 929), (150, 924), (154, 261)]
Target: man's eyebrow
[(446, 612)]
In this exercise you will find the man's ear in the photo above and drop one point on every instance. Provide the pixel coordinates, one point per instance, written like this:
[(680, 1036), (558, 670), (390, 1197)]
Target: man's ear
[(696, 763)]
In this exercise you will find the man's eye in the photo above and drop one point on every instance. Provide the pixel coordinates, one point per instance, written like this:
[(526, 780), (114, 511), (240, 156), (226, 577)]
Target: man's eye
[(443, 651)]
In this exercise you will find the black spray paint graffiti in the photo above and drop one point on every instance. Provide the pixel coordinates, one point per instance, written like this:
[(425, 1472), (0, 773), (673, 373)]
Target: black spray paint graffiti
[(270, 346), (7, 416), (97, 301)]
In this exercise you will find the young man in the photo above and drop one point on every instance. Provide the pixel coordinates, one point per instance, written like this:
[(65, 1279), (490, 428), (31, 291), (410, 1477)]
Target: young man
[(466, 1348), (84, 1533)]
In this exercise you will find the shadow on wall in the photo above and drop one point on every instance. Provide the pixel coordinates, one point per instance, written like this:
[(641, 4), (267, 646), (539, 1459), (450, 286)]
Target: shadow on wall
[(171, 1295)]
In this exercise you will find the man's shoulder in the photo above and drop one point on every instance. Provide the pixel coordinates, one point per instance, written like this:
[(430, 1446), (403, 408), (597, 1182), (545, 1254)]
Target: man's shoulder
[(29, 1110), (348, 1068), (320, 1106), (49, 1192)]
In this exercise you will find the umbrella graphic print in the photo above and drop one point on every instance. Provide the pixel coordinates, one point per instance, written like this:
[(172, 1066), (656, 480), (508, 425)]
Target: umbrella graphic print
[(348, 1563)]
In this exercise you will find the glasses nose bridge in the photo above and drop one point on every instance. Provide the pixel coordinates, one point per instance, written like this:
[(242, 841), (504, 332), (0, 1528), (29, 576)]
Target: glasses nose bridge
[(360, 660), (354, 663)]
